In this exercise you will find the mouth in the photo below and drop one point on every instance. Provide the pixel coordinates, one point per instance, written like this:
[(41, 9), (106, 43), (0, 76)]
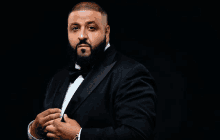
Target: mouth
[(83, 45), (83, 50)]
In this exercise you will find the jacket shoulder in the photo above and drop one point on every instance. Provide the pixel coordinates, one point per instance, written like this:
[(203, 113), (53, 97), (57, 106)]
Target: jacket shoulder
[(126, 63), (61, 74)]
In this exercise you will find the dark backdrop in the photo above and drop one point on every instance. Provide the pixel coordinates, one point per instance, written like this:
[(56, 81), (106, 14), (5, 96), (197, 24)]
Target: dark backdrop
[(178, 42)]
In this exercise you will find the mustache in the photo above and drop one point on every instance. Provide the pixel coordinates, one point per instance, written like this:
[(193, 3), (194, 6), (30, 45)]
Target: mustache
[(83, 42)]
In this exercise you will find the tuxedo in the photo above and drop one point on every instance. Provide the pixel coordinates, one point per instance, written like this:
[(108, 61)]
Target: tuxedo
[(116, 100)]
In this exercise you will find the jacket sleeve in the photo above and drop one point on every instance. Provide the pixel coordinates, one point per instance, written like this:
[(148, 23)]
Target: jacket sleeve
[(30, 137), (135, 109)]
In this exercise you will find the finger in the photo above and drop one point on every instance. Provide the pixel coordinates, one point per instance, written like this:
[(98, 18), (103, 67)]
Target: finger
[(59, 119), (51, 135), (66, 118), (50, 111), (50, 128), (57, 122), (51, 117), (48, 123)]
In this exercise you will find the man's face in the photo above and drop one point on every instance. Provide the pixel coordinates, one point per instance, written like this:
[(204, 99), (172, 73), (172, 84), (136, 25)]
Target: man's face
[(87, 30)]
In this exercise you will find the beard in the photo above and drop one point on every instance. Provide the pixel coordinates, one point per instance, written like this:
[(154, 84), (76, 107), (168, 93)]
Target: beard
[(85, 62)]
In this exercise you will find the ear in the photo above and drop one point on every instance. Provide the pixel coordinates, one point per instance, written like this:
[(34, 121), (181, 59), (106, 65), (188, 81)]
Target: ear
[(107, 33)]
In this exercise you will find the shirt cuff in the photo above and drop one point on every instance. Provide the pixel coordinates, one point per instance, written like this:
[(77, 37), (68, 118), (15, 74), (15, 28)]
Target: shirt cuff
[(30, 137), (79, 133)]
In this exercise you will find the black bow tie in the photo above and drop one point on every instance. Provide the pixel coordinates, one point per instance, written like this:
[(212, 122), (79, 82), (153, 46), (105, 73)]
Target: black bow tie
[(76, 73)]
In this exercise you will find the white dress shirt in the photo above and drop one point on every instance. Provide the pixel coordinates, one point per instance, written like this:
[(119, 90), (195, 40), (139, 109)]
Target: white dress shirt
[(71, 90)]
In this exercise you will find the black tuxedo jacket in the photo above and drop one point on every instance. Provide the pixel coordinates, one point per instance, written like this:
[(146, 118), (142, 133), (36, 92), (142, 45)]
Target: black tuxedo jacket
[(116, 100)]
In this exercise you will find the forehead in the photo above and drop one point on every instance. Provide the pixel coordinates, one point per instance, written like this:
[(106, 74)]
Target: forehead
[(84, 16)]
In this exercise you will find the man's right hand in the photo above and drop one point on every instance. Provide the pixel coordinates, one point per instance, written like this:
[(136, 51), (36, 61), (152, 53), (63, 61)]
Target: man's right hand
[(42, 120)]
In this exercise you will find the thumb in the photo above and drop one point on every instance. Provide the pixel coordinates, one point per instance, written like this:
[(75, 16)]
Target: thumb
[(66, 118)]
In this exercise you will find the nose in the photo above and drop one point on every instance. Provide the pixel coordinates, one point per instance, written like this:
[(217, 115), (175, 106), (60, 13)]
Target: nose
[(82, 35)]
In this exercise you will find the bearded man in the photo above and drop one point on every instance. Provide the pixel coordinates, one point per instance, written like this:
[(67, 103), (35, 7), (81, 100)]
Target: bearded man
[(102, 94)]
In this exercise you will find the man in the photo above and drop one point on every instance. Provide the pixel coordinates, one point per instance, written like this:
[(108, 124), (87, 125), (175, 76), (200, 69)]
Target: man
[(109, 97)]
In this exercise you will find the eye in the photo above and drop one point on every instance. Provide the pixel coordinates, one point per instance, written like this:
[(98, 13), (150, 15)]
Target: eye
[(74, 28), (92, 28)]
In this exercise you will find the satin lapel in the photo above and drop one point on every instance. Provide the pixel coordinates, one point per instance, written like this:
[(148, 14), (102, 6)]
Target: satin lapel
[(92, 80), (61, 92)]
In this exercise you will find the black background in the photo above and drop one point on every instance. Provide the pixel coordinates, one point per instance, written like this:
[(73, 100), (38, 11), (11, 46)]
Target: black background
[(177, 41)]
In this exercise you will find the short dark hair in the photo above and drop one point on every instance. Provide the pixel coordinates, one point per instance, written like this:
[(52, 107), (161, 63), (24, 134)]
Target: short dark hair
[(89, 5)]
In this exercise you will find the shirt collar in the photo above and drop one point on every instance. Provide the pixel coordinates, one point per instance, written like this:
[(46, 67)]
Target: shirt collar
[(106, 47)]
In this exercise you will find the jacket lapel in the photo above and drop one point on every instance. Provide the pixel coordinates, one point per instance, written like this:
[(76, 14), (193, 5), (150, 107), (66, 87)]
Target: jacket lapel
[(92, 80), (61, 92)]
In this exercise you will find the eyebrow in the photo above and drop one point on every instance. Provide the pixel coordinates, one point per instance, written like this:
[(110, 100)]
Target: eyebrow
[(88, 22)]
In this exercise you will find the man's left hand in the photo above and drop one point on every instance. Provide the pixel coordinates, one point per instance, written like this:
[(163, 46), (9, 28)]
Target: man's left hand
[(63, 130)]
